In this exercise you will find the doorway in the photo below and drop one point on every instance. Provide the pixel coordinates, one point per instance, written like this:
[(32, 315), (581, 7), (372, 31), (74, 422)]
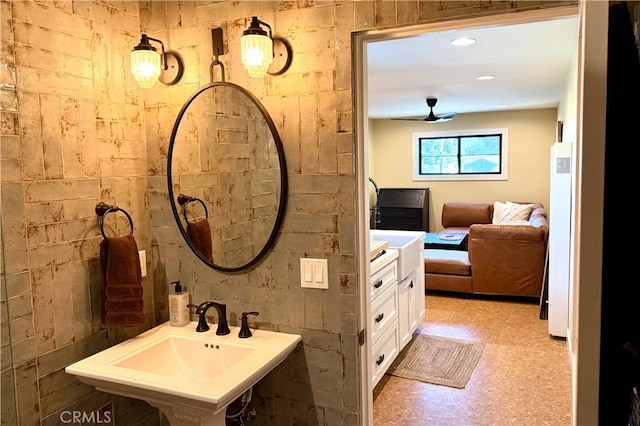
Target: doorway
[(360, 42)]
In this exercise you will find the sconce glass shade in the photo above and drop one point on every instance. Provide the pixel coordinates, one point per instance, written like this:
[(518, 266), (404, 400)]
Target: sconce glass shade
[(257, 53), (256, 48), (145, 64)]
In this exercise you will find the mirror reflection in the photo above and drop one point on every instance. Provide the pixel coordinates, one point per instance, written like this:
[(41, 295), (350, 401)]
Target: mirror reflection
[(227, 176)]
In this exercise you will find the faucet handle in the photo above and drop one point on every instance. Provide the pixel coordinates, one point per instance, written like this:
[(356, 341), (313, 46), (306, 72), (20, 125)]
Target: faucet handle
[(202, 319), (245, 331)]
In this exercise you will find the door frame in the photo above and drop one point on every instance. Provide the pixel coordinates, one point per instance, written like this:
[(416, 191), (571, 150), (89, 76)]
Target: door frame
[(586, 295), (588, 208)]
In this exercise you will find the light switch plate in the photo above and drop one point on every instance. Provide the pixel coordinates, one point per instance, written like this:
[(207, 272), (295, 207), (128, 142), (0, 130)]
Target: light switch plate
[(314, 273), (563, 165)]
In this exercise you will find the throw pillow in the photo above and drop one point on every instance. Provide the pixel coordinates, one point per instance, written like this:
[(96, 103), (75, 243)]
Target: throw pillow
[(498, 208), (517, 222), (515, 212)]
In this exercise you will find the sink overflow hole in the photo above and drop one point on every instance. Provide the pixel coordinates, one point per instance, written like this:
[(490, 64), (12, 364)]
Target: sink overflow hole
[(211, 346)]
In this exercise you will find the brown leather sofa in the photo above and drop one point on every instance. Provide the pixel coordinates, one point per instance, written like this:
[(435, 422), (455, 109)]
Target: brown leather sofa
[(504, 259)]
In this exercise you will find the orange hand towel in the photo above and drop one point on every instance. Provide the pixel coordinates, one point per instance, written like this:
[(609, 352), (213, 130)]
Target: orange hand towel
[(121, 283), (200, 234)]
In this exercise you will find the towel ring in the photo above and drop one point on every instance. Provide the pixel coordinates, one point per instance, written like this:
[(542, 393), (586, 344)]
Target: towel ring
[(103, 209), (183, 200)]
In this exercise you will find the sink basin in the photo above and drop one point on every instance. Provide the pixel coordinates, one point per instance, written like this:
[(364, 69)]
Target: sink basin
[(186, 357), (191, 377), (409, 245)]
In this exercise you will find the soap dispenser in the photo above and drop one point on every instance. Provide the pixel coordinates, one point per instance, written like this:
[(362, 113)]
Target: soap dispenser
[(179, 315)]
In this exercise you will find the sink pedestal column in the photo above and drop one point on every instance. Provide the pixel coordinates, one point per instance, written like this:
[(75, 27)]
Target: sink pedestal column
[(190, 416)]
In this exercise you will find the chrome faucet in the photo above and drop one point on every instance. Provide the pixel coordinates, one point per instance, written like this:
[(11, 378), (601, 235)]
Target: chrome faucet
[(201, 311)]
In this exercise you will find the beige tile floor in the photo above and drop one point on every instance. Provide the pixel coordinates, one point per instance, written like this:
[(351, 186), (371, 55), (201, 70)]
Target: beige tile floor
[(523, 376)]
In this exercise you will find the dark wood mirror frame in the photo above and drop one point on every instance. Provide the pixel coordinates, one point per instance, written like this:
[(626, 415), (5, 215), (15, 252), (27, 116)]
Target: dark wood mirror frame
[(283, 180)]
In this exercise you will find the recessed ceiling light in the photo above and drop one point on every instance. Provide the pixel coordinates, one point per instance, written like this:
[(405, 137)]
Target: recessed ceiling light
[(485, 77), (463, 41), (504, 106)]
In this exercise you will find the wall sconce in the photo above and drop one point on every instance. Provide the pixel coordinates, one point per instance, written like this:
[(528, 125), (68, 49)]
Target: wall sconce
[(263, 53), (148, 66)]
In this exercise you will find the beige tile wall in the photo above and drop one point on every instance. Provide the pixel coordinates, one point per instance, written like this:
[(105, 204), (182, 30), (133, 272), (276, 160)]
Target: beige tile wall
[(72, 135), (76, 130)]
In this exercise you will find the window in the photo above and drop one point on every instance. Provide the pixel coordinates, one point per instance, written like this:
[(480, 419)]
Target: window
[(460, 155)]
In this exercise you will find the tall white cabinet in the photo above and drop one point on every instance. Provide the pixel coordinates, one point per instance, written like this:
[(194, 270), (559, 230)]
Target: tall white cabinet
[(559, 237)]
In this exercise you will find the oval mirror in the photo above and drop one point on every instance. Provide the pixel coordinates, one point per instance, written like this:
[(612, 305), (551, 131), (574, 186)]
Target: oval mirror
[(227, 177)]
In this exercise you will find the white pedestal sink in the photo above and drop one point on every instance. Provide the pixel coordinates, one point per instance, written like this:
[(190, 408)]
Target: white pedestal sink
[(191, 377)]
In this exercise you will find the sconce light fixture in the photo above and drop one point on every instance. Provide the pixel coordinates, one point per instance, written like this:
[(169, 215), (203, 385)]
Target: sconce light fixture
[(263, 53), (149, 66)]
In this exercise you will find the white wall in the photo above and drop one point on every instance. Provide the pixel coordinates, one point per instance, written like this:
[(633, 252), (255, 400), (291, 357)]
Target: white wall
[(531, 134)]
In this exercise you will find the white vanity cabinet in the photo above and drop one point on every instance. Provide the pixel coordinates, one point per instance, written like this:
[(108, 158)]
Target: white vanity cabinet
[(383, 324), (397, 296)]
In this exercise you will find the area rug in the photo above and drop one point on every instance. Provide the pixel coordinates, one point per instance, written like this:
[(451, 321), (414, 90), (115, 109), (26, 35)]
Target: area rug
[(437, 360)]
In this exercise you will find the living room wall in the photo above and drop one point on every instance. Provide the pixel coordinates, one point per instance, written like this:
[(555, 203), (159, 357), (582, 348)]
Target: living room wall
[(531, 134)]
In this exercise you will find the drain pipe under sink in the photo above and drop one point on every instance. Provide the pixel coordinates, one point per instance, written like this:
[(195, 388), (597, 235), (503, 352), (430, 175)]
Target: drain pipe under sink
[(244, 400)]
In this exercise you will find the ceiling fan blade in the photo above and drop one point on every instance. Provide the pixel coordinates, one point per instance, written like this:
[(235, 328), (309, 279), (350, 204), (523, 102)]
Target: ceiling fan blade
[(447, 117), (431, 118), (410, 119)]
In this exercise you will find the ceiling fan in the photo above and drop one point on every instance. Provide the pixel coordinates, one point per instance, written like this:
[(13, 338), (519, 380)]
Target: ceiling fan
[(432, 118)]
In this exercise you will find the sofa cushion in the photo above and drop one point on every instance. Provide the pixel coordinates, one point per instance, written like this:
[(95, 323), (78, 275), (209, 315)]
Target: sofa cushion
[(463, 215), (449, 262)]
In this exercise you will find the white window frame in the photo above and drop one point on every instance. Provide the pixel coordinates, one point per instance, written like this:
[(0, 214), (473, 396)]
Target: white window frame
[(504, 155)]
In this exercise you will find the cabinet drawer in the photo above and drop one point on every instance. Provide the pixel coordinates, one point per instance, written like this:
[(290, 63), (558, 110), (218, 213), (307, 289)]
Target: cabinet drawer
[(384, 352), (384, 311), (383, 279)]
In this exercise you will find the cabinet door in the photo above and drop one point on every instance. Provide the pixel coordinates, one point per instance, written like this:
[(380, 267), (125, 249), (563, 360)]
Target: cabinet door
[(419, 289), (407, 322), (414, 296)]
